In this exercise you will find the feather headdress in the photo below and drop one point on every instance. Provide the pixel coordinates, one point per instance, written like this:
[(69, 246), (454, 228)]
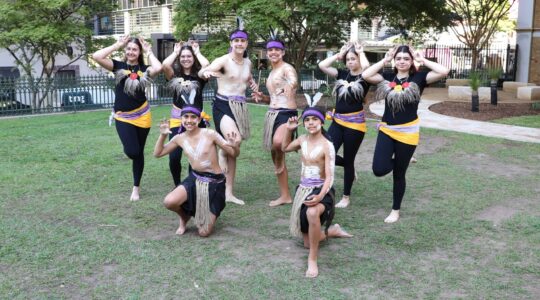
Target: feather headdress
[(274, 41), (398, 95), (311, 110), (189, 104), (239, 32)]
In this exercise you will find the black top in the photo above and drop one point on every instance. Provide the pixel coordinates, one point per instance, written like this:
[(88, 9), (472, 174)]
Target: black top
[(348, 104), (123, 101), (409, 114), (177, 100)]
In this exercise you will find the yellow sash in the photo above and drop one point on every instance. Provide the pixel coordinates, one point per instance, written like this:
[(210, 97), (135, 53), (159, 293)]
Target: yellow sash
[(356, 126), (144, 121), (408, 133)]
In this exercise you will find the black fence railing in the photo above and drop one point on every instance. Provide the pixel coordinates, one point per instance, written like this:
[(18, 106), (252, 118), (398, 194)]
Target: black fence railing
[(20, 96)]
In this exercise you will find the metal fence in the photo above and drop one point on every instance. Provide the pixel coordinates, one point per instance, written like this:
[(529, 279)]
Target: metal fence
[(20, 96)]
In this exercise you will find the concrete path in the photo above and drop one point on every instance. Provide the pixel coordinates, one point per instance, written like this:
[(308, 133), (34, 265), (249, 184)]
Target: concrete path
[(430, 119)]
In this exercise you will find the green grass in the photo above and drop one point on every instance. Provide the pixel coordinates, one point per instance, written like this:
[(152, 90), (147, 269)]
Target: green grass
[(526, 121), (67, 229)]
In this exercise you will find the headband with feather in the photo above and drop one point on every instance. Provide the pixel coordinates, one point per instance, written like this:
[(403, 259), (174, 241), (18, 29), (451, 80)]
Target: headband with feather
[(311, 110), (274, 41), (189, 104), (239, 33)]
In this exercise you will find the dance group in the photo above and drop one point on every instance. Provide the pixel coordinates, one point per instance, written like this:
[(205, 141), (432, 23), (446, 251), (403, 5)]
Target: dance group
[(212, 154)]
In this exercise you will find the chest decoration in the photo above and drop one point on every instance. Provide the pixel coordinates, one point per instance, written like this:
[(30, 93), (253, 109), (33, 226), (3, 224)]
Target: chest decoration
[(181, 86), (353, 89), (397, 95), (135, 80)]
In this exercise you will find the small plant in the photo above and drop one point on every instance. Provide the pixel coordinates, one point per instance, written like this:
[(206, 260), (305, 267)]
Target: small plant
[(494, 73), (475, 79)]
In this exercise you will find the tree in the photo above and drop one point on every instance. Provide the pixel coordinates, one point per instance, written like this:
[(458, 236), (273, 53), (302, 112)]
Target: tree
[(477, 21), (303, 24), (39, 31)]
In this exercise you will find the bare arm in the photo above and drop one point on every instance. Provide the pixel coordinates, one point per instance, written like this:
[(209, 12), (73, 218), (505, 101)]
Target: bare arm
[(359, 48), (159, 149), (286, 144), (101, 56), (155, 64), (326, 65), (213, 69), (371, 74), (169, 61), (202, 60)]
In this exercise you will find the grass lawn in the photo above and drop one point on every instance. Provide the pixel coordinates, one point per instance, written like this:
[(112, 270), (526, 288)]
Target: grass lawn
[(526, 121), (470, 225)]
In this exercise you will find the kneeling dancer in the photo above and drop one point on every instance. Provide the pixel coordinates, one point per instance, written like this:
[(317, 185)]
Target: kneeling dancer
[(314, 199), (202, 193)]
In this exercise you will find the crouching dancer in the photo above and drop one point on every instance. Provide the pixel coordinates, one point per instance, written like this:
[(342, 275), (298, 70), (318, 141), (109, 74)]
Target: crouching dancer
[(202, 193), (314, 199)]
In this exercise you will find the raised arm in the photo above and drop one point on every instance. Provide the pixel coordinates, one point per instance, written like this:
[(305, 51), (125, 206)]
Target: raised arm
[(359, 48), (102, 56), (326, 65), (155, 65), (197, 50), (437, 72), (164, 131), (169, 62), (286, 144), (371, 74)]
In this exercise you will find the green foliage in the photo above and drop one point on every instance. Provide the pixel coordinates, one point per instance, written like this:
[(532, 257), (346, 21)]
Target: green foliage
[(475, 80), (494, 73)]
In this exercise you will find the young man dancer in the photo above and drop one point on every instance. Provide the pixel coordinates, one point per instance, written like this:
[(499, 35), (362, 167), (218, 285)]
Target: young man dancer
[(282, 83), (202, 193), (314, 200), (233, 73)]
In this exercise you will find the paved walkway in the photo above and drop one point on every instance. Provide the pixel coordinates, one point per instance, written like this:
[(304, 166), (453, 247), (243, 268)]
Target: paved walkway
[(430, 119)]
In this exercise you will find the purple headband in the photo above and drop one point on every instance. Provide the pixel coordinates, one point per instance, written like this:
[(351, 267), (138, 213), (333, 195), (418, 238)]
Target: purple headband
[(238, 34), (310, 111), (275, 44), (190, 109)]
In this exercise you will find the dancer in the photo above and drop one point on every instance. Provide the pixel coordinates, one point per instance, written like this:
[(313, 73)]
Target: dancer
[(230, 112), (349, 125), (202, 193), (182, 76), (399, 129), (282, 83), (131, 109), (314, 199)]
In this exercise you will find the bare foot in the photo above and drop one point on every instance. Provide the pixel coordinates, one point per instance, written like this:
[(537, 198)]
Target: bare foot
[(344, 202), (233, 199), (336, 231), (392, 217), (312, 269), (182, 228), (413, 160), (280, 201), (135, 194)]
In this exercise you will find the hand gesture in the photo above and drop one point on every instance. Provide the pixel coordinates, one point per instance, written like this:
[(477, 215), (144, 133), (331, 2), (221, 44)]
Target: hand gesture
[(207, 74), (358, 47), (122, 40), (417, 54), (312, 200), (232, 139), (292, 124), (177, 47), (195, 47), (257, 96), (147, 48), (164, 127), (390, 54), (253, 85), (343, 50)]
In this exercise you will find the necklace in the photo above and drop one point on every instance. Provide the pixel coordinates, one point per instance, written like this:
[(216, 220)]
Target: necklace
[(237, 62), (402, 80)]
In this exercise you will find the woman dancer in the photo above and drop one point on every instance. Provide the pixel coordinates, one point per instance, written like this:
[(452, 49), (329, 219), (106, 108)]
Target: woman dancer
[(399, 130), (182, 76), (131, 109), (349, 125)]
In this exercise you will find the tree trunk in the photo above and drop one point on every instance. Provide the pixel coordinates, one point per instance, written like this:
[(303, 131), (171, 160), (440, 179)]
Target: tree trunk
[(475, 101), (493, 92)]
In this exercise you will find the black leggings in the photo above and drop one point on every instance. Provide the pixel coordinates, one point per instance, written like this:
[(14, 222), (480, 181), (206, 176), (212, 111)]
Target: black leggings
[(175, 157), (133, 139), (351, 140), (384, 164)]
